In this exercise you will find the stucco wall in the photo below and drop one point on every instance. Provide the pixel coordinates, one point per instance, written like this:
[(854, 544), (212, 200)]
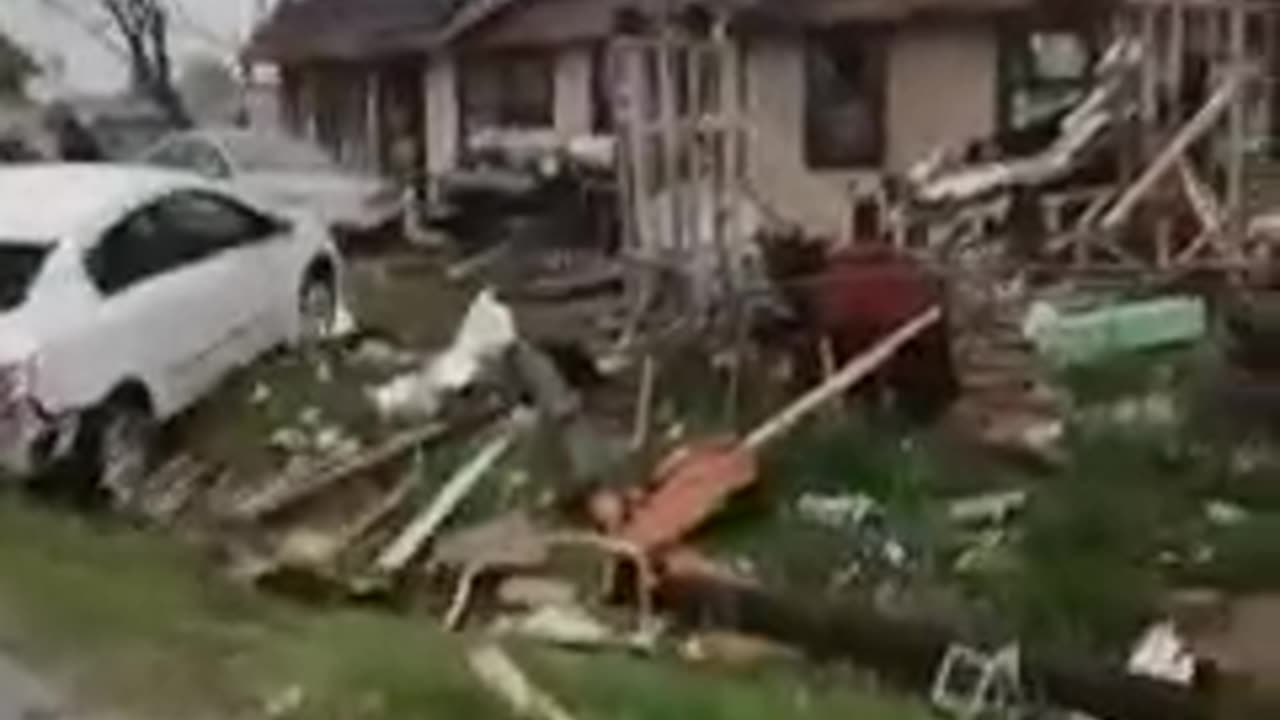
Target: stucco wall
[(442, 119), (573, 107), (573, 102), (940, 89)]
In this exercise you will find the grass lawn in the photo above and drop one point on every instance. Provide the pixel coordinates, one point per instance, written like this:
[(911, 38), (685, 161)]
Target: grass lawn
[(133, 623)]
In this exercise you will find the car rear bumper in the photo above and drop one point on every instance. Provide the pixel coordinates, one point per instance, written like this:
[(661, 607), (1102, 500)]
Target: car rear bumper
[(31, 443)]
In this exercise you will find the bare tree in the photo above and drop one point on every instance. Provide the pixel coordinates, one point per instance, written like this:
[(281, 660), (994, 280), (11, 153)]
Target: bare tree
[(16, 66), (143, 26)]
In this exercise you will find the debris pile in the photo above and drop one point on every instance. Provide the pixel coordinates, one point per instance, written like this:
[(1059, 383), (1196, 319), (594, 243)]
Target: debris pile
[(493, 508)]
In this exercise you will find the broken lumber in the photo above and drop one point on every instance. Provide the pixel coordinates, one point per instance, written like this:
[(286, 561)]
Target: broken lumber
[(410, 541), (855, 371), (498, 672), (1203, 121), (290, 491), (694, 481)]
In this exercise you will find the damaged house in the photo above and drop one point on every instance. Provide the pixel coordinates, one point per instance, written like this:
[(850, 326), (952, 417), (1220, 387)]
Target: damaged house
[(837, 93)]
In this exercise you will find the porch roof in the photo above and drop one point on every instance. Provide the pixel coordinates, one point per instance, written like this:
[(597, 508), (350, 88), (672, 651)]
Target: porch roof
[(338, 30)]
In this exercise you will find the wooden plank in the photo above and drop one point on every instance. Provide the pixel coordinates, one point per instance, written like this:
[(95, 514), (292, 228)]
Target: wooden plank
[(1150, 76), (856, 370), (671, 227), (1195, 129), (411, 540), (1177, 48), (1236, 139), (290, 491)]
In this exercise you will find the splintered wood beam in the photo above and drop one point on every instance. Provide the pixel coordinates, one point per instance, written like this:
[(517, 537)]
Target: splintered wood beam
[(851, 374), (1195, 129), (411, 540)]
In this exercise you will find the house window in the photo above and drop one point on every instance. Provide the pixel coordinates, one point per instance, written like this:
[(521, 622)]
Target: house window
[(844, 98), (602, 81), (509, 89), (1045, 73)]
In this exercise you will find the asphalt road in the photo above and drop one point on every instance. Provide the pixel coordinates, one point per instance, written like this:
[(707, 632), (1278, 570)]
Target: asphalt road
[(25, 696)]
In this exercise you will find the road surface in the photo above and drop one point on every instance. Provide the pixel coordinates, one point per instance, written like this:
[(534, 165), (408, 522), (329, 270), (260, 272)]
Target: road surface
[(25, 696)]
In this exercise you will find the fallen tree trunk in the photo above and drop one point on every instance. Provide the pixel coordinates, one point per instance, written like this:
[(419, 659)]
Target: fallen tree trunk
[(909, 652)]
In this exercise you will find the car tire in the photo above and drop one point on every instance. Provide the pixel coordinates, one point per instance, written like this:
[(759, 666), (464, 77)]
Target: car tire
[(317, 308), (121, 447)]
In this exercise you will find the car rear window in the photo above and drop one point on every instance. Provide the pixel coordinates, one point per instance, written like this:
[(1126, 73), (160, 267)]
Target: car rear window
[(19, 265)]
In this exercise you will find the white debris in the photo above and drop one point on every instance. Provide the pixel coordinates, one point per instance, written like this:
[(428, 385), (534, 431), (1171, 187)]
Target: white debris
[(324, 372), (487, 332), (379, 354), (837, 511), (329, 439), (288, 439), (261, 394), (1226, 514), (344, 323), (311, 416), (990, 507), (1162, 653)]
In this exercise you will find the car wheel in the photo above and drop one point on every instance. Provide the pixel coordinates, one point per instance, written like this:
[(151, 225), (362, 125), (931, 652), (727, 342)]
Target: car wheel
[(124, 437), (317, 309)]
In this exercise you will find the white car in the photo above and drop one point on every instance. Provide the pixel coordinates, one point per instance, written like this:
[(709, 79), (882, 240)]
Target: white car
[(285, 172), (126, 294)]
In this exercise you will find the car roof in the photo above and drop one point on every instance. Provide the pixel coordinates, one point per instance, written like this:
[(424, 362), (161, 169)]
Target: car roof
[(236, 141), (51, 202)]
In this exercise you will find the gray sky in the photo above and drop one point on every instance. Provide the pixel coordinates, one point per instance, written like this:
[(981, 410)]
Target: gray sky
[(201, 27)]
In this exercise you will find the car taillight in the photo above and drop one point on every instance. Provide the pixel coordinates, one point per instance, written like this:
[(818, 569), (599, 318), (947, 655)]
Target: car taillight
[(17, 383)]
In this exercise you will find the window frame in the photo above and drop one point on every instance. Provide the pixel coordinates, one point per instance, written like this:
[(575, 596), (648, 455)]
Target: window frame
[(1018, 71), (870, 41), (502, 69)]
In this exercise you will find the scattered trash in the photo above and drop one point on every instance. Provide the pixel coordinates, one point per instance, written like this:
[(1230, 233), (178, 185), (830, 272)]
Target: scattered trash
[(989, 508), (536, 592), (285, 703), (1162, 653), (261, 394), (1225, 514), (487, 332), (499, 673), (511, 541), (734, 649), (289, 440), (307, 481), (1074, 338), (837, 511), (971, 685), (693, 482), (569, 626), (452, 493)]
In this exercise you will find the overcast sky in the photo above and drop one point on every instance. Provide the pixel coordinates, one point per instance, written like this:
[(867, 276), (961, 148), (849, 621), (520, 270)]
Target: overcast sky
[(65, 36)]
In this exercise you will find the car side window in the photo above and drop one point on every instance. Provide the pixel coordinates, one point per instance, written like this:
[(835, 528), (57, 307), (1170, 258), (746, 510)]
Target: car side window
[(211, 222), (192, 156), (208, 161), (134, 250)]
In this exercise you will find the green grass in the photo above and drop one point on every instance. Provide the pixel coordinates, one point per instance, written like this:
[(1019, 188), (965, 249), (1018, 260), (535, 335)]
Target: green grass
[(134, 623), (623, 688)]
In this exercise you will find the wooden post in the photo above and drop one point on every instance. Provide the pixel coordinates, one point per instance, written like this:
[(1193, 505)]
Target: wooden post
[(1177, 49), (1150, 101), (1236, 143), (373, 120), (666, 58)]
